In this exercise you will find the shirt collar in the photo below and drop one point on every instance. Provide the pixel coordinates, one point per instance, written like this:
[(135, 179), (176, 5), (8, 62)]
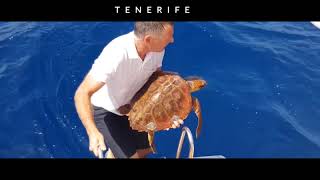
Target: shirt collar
[(132, 50)]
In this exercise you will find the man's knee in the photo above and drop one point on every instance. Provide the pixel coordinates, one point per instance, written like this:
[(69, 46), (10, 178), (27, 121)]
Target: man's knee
[(141, 153), (109, 154), (144, 152), (135, 156)]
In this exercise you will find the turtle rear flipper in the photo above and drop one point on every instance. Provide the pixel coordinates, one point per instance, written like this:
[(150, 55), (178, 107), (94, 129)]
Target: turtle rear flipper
[(197, 110), (151, 141)]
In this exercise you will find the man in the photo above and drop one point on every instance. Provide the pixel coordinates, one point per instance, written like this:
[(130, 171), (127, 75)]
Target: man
[(121, 69)]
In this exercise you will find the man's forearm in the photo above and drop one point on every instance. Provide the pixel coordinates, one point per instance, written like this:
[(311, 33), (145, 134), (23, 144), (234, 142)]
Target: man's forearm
[(83, 106)]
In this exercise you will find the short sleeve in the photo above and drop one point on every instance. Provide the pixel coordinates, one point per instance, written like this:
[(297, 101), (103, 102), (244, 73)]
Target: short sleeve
[(106, 64)]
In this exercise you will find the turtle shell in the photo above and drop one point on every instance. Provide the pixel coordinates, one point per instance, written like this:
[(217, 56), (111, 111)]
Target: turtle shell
[(164, 97)]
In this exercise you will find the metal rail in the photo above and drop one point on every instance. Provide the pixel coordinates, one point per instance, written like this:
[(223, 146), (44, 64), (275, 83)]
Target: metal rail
[(191, 143)]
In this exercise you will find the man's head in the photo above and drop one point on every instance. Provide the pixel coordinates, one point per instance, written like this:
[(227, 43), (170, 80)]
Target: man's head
[(155, 35)]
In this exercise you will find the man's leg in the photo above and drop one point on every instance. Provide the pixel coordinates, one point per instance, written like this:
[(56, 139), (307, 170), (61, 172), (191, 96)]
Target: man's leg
[(142, 144), (117, 133)]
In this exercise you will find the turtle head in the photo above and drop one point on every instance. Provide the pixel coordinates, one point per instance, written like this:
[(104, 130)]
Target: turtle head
[(195, 83)]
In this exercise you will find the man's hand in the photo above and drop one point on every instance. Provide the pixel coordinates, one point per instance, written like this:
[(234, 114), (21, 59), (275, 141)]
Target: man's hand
[(176, 122), (96, 143), (125, 109)]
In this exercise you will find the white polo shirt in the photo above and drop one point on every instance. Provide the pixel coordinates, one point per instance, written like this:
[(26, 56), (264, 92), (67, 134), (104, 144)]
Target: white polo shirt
[(123, 71)]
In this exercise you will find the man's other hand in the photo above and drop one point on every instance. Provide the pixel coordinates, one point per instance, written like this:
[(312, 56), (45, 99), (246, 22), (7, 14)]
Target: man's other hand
[(96, 143)]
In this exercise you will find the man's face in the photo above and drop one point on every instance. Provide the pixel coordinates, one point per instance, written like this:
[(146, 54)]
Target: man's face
[(159, 43)]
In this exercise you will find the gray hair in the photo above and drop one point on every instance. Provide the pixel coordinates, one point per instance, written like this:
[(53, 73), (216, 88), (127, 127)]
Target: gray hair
[(152, 27)]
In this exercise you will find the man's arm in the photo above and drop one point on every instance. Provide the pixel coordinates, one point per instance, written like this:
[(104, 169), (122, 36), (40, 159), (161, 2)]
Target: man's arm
[(84, 110)]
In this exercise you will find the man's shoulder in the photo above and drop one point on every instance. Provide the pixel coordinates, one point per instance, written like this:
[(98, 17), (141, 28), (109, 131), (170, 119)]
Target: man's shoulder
[(118, 44), (121, 40), (116, 51)]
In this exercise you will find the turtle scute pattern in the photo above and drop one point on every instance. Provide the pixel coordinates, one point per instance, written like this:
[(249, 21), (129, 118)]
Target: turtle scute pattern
[(164, 96)]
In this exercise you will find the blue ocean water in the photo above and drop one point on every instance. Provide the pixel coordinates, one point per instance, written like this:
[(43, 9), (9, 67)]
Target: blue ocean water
[(261, 101)]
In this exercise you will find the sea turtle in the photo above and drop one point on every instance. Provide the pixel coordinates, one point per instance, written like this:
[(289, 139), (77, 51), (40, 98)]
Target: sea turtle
[(165, 97)]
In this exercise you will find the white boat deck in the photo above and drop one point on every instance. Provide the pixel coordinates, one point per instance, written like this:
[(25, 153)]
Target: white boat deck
[(316, 23)]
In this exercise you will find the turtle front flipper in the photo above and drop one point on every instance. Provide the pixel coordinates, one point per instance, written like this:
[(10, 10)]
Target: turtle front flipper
[(151, 141), (197, 110)]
